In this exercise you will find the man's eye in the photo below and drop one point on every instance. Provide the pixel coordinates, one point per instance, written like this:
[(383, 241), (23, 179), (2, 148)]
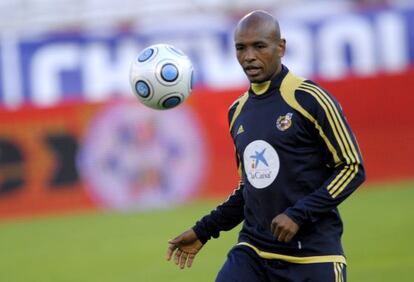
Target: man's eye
[(260, 46), (239, 48)]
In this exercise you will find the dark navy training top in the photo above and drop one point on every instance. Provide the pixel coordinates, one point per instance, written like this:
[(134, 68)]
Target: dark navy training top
[(296, 155)]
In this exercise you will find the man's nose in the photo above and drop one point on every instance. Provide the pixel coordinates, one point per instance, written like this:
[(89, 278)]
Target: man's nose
[(250, 55)]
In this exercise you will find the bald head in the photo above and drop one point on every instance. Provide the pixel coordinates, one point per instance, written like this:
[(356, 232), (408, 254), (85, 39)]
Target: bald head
[(260, 21), (259, 47)]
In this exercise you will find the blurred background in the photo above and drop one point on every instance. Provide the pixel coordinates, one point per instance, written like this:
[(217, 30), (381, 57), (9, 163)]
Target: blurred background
[(92, 184)]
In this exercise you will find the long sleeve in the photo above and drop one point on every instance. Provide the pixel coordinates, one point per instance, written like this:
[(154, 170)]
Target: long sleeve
[(329, 123), (225, 217), (230, 213)]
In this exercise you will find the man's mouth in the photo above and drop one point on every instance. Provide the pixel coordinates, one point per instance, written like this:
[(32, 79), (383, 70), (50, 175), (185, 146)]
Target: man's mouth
[(252, 71)]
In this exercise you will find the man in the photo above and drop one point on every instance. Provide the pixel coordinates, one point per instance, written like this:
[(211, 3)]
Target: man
[(298, 160)]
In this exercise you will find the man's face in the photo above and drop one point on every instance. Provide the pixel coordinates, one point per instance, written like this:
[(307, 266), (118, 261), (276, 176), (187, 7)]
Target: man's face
[(259, 52)]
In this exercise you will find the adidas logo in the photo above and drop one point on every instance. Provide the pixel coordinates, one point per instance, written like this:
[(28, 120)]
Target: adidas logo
[(240, 130)]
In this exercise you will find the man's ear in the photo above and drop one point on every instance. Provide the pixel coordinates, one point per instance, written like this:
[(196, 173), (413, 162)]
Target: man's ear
[(282, 47)]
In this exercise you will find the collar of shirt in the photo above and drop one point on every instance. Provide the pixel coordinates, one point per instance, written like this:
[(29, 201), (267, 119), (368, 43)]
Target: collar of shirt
[(264, 89)]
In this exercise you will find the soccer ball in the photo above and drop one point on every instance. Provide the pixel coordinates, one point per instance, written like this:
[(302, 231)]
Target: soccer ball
[(161, 77)]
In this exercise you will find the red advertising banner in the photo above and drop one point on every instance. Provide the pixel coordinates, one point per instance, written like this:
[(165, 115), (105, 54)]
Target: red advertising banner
[(37, 171)]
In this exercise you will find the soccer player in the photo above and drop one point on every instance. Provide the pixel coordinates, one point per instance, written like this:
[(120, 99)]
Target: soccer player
[(297, 159)]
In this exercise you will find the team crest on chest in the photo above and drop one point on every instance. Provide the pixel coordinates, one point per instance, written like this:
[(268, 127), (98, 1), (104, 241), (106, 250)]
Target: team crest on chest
[(284, 122)]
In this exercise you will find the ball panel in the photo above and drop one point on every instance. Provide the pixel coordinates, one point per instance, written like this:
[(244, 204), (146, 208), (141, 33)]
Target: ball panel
[(171, 102), (145, 55), (142, 89), (169, 72)]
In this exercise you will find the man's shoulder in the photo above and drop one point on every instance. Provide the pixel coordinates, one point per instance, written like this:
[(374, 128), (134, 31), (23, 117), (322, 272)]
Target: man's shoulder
[(304, 95), (237, 102), (235, 108), (311, 83), (312, 97), (293, 81), (309, 89)]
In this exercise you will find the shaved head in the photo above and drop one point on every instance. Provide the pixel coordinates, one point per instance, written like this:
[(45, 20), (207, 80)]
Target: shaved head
[(260, 20), (259, 47)]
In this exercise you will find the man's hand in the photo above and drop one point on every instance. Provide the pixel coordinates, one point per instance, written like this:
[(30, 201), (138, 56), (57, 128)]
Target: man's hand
[(185, 246), (283, 228)]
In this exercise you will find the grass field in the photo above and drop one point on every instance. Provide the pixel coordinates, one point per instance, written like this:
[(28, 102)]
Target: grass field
[(379, 230)]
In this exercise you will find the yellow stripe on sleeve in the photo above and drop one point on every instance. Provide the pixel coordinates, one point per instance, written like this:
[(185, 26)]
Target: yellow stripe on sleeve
[(349, 172), (341, 178), (338, 134), (338, 118), (343, 186), (339, 137)]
